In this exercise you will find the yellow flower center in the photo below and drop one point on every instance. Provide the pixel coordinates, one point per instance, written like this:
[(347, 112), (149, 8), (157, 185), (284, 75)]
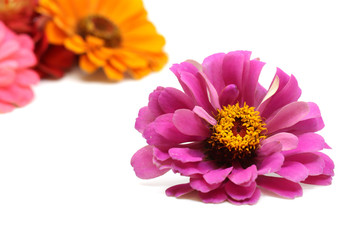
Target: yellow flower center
[(101, 27), (236, 135)]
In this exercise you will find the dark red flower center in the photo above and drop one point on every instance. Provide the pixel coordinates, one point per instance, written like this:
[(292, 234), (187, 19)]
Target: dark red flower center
[(101, 27)]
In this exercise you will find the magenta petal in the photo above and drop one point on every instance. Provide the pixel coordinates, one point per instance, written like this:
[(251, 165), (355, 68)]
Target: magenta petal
[(329, 164), (201, 185), (212, 67), (188, 123), (229, 95), (144, 118), (269, 149), (288, 141), (323, 180), (280, 186), (215, 196), (293, 171), (308, 142), (250, 82), (161, 155), (312, 161), (143, 164), (270, 163), (192, 168), (204, 115), (217, 175), (288, 116), (250, 201), (171, 99), (186, 154), (239, 192), (153, 105), (178, 190), (240, 175)]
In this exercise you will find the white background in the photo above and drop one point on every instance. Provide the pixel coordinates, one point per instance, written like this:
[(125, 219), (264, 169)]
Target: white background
[(65, 159)]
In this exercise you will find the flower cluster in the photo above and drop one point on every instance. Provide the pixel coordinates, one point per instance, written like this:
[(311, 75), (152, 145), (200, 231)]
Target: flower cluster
[(111, 35), (229, 135)]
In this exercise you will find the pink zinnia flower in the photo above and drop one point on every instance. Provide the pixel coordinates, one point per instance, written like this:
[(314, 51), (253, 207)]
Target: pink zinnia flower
[(230, 135), (16, 57)]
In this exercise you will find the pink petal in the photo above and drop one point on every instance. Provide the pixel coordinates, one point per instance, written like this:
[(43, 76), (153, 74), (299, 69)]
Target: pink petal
[(251, 201), (308, 142), (171, 99), (7, 77), (192, 168), (312, 162), (25, 58), (212, 67), (143, 164), (215, 196), (280, 186), (329, 164), (287, 92), (5, 107), (8, 48), (178, 190), (186, 154), (229, 95), (323, 180), (239, 192), (269, 148), (25, 41), (188, 123), (204, 115), (271, 164), (16, 95), (240, 176), (144, 118), (288, 141), (217, 175), (153, 105), (201, 185), (250, 82), (288, 116), (26, 77), (293, 171)]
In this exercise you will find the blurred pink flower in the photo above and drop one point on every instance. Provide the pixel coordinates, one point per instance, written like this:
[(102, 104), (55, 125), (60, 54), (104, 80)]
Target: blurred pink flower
[(230, 135), (16, 57)]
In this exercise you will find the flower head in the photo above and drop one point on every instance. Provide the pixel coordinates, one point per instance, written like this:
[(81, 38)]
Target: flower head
[(16, 57), (111, 34), (230, 135)]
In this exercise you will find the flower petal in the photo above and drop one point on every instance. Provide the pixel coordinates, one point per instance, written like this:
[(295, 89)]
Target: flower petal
[(293, 171), (251, 201), (323, 180), (188, 123), (239, 192), (280, 186), (308, 142), (171, 99), (204, 115), (179, 190), (143, 164), (212, 67), (288, 116), (144, 118), (240, 176), (312, 161), (215, 196), (229, 95), (201, 185), (217, 175), (270, 164), (186, 154), (288, 141)]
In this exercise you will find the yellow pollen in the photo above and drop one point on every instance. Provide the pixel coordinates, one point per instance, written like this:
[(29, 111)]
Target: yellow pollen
[(238, 129)]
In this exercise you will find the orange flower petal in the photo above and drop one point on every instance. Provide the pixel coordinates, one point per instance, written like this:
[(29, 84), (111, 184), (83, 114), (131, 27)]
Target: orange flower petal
[(113, 73), (55, 35), (140, 73), (87, 65), (94, 42), (75, 44), (131, 59)]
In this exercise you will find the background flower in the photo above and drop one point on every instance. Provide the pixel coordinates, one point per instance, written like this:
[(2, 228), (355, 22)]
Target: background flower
[(16, 57), (20, 16), (113, 35), (231, 136)]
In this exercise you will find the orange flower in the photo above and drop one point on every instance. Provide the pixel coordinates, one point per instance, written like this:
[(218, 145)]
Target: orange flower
[(111, 34)]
